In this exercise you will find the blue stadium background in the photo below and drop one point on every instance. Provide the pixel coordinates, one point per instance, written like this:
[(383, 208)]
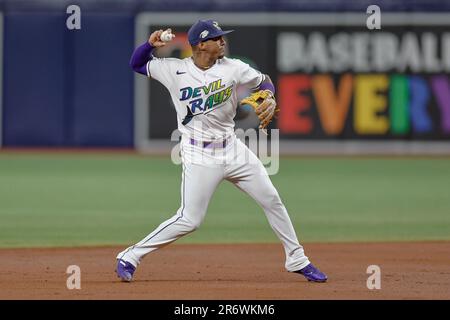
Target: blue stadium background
[(59, 84)]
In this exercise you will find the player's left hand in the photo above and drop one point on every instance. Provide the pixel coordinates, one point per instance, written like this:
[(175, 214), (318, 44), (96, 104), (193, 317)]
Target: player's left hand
[(264, 105), (265, 111)]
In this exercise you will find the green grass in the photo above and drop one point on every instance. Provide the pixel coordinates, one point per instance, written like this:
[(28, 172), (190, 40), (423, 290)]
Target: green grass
[(100, 199)]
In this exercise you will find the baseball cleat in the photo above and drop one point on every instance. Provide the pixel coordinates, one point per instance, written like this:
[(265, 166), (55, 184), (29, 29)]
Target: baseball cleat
[(125, 270), (311, 273)]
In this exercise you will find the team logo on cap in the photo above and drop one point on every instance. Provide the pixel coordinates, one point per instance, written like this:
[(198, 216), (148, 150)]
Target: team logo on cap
[(204, 34), (215, 24)]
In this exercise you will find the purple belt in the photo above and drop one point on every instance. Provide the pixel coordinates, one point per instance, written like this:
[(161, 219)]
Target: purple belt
[(208, 144)]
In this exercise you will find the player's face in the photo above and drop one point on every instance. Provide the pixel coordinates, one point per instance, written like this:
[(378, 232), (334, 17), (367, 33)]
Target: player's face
[(216, 47)]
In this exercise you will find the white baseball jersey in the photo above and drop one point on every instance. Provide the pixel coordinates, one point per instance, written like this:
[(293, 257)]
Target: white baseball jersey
[(208, 95)]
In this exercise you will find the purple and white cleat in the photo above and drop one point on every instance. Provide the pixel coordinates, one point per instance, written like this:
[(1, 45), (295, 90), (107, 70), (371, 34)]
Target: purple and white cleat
[(311, 273), (125, 270)]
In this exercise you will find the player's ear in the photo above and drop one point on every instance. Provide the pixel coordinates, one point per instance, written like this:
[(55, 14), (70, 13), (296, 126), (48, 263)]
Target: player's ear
[(201, 46)]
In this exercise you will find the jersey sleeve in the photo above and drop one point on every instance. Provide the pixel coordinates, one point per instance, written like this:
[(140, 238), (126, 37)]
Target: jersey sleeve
[(248, 76), (161, 69)]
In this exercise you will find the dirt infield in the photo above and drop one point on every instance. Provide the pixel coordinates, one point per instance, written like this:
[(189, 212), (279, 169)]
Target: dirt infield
[(247, 271)]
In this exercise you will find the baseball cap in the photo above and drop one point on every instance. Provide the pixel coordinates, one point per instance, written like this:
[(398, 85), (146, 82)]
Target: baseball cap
[(204, 30)]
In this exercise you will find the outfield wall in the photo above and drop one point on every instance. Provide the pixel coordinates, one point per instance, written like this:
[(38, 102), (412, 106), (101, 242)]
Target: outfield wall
[(339, 85)]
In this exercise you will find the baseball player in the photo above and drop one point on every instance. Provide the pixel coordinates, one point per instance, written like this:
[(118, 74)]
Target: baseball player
[(203, 90)]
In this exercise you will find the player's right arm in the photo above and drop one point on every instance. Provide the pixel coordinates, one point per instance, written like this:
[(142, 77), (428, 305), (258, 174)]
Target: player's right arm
[(143, 54)]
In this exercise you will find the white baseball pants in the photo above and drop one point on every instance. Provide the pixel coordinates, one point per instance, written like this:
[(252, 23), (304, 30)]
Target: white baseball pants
[(203, 170)]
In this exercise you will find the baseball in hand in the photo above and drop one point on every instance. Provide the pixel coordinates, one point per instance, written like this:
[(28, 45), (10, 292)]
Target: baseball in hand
[(167, 35)]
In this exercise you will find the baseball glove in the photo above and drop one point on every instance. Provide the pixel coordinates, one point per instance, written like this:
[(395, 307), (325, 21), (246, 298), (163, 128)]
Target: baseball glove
[(264, 104)]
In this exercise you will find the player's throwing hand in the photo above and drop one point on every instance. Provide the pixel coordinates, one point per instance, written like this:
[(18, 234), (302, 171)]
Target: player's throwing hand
[(155, 38)]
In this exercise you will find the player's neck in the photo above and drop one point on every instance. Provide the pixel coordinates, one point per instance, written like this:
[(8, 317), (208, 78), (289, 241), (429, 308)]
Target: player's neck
[(203, 62)]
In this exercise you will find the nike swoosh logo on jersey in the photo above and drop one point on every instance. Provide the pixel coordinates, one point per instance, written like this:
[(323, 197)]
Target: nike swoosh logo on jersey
[(180, 72)]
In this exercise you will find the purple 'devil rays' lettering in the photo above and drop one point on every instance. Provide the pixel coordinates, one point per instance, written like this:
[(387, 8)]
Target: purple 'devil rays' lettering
[(441, 88), (420, 95), (186, 93), (197, 103)]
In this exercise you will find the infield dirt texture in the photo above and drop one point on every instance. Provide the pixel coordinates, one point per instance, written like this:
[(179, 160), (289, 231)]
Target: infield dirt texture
[(58, 210)]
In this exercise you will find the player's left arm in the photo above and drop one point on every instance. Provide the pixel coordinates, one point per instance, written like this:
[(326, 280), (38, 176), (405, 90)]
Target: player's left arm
[(266, 84), (263, 101)]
